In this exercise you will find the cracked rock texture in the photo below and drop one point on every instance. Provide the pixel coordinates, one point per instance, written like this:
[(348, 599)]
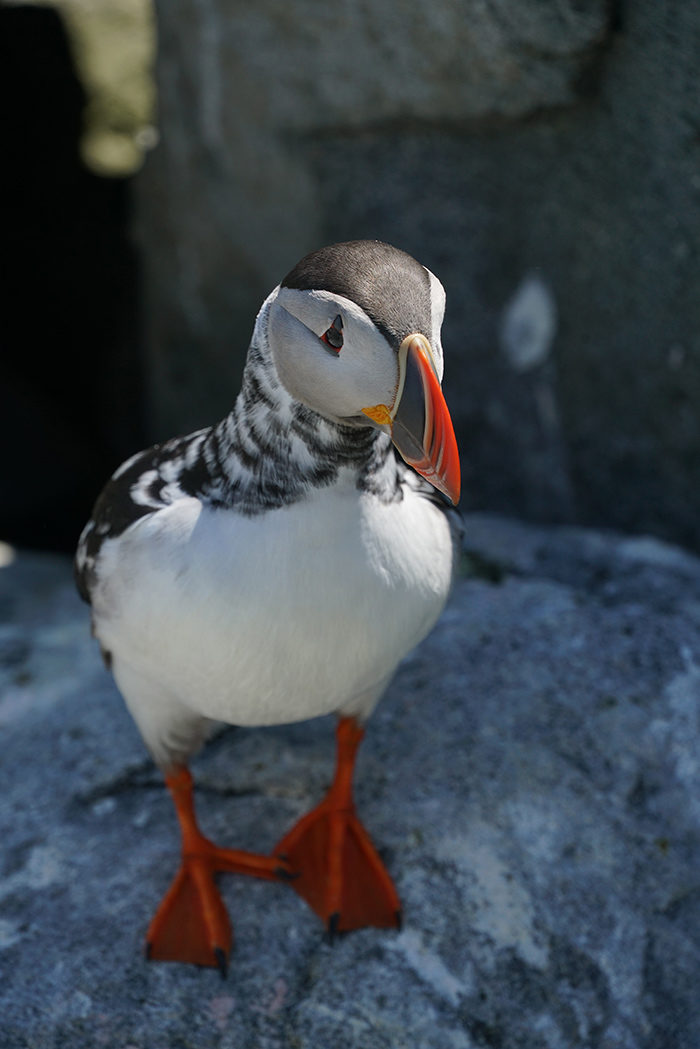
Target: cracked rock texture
[(532, 778)]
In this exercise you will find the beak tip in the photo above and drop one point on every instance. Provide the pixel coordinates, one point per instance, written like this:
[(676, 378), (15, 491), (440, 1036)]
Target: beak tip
[(449, 483)]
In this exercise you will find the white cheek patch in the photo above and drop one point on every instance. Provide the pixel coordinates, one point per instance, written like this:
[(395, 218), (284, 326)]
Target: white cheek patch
[(338, 385), (288, 338)]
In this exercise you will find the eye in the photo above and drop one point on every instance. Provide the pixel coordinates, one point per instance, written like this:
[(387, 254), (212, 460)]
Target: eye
[(333, 337)]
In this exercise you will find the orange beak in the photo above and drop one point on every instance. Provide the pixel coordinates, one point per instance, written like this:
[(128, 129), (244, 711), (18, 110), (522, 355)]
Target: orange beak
[(421, 427)]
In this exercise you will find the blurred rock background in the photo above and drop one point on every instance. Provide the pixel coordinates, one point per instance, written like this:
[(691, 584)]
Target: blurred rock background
[(543, 159)]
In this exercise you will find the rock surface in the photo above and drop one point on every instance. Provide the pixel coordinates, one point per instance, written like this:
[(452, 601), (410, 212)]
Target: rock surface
[(532, 777)]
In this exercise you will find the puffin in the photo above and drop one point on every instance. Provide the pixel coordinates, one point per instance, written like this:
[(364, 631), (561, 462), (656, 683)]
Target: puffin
[(278, 565)]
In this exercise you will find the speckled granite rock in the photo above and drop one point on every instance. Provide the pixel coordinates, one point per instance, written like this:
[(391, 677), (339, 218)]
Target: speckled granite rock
[(532, 777)]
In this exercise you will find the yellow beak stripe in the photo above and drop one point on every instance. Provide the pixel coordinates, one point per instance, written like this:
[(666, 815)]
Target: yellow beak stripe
[(379, 413)]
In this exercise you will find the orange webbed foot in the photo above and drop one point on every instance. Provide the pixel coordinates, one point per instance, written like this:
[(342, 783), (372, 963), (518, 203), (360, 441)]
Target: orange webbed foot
[(192, 924), (339, 872)]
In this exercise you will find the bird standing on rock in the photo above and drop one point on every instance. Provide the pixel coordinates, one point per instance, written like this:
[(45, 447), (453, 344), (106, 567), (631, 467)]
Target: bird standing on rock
[(278, 565)]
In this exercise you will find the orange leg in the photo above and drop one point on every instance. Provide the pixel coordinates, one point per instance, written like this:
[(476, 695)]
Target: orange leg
[(339, 873), (191, 924)]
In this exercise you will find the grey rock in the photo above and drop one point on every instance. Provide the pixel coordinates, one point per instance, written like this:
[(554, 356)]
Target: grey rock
[(531, 777), (529, 325)]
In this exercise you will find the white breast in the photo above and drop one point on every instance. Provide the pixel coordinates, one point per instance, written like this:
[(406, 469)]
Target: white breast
[(277, 617)]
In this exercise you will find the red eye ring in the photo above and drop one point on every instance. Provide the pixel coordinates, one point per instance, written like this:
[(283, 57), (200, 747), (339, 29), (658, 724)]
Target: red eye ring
[(333, 336)]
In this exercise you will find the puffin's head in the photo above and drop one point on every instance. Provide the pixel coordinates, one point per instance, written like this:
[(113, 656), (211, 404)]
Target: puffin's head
[(354, 331)]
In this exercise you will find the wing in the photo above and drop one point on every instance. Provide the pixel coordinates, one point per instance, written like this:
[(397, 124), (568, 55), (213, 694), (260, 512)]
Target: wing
[(144, 484)]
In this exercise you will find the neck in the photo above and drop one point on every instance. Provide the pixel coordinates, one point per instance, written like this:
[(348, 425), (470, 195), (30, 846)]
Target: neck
[(270, 450)]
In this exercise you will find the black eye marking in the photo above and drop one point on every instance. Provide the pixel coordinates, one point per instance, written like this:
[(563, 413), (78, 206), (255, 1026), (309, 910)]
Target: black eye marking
[(333, 337)]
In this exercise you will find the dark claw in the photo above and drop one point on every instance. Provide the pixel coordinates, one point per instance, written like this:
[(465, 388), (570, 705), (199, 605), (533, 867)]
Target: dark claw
[(332, 928), (147, 950), (285, 874), (398, 915), (221, 961)]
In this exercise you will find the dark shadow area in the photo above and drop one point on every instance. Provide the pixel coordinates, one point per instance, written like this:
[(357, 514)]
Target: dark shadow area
[(70, 382)]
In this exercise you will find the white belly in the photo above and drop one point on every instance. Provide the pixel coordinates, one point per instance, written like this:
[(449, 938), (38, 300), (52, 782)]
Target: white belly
[(284, 616)]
